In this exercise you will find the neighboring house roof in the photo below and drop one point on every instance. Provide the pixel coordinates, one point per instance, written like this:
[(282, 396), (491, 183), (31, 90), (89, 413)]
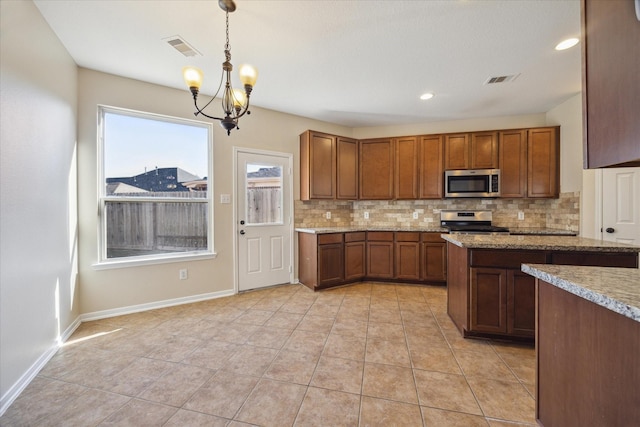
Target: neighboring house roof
[(265, 173), (122, 188), (158, 179)]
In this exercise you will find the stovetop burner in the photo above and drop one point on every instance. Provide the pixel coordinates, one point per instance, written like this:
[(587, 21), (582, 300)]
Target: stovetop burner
[(470, 222)]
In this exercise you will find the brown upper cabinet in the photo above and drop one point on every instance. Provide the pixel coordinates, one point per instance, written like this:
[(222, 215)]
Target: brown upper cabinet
[(406, 167), (513, 163), (543, 165), (328, 166), (611, 89), (478, 150), (431, 167), (377, 169)]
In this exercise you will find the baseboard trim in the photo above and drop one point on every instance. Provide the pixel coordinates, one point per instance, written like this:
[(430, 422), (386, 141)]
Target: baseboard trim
[(12, 394), (103, 314)]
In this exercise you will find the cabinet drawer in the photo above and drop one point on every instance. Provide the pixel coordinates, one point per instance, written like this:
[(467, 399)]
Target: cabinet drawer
[(380, 236), (433, 237), (355, 236), (405, 236), (506, 258), (323, 239), (596, 259)]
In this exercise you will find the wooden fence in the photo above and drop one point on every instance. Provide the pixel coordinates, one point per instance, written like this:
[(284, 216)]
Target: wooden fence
[(264, 205)]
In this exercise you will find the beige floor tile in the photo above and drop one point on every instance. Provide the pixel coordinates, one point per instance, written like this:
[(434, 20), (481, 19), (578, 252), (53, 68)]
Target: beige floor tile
[(357, 311), (338, 374), (175, 349), (501, 423), (385, 413), (440, 418), (323, 309), (445, 391), (184, 418), (293, 366), (140, 413), (316, 324), (269, 337), (272, 403), (284, 320), (385, 315), (100, 371), (345, 347), (434, 358), (306, 342), (386, 331), (222, 395), (254, 317), (389, 382), (503, 399), (387, 352), (136, 377), (212, 354), (487, 365), (322, 407), (236, 333), (91, 408), (350, 327), (177, 386), (250, 360)]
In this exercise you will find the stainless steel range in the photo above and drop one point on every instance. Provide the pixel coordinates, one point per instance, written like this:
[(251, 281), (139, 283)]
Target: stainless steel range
[(470, 222)]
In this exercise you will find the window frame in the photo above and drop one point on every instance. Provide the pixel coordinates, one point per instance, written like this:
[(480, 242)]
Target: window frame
[(102, 199)]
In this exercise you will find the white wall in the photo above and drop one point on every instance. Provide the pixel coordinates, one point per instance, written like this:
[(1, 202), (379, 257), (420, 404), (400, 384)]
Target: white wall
[(38, 292), (104, 290)]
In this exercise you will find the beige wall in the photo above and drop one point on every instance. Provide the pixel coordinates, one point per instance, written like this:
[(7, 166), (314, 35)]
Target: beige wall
[(123, 287), (38, 292)]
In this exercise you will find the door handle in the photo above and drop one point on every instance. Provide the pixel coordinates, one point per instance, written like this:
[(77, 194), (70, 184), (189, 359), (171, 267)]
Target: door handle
[(242, 222), (610, 230), (242, 232)]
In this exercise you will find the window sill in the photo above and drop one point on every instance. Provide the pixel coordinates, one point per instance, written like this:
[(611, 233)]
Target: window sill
[(124, 263)]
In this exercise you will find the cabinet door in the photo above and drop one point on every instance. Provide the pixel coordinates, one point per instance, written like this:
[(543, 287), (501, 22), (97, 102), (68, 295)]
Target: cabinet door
[(317, 166), (431, 167), (380, 260), (543, 167), (347, 168), (407, 260), (521, 303), (484, 150), (513, 163), (434, 261), (376, 169), (406, 167), (330, 264), (611, 93), (456, 151), (354, 260), (488, 300)]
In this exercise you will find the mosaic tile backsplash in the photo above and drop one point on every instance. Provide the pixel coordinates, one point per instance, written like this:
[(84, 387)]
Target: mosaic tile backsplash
[(562, 213)]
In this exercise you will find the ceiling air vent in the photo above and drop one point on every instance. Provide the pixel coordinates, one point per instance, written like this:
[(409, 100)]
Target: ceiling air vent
[(182, 46), (501, 79)]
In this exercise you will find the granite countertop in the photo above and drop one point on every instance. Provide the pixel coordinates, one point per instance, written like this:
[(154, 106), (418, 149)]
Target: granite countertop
[(617, 289), (435, 229), (557, 243), (530, 231)]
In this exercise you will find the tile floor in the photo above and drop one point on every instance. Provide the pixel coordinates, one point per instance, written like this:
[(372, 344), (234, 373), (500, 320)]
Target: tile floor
[(363, 355)]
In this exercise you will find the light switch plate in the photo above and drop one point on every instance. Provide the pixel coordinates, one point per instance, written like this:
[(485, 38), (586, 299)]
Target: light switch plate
[(225, 198)]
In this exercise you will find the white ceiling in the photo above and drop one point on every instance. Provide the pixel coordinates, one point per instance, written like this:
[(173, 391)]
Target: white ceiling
[(349, 62)]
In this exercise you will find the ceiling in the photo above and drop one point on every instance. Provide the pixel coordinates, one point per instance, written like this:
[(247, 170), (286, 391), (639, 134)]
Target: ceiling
[(350, 62)]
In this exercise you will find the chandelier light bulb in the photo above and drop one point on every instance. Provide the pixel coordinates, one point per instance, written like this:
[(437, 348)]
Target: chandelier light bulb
[(248, 75), (192, 77)]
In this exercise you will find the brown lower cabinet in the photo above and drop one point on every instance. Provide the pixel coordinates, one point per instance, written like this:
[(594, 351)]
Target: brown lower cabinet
[(488, 295), (333, 259)]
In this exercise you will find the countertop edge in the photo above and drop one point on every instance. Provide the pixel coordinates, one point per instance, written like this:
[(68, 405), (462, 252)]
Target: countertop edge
[(595, 297)]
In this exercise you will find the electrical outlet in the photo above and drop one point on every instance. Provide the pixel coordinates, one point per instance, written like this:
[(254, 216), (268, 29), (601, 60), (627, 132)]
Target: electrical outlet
[(327, 215), (183, 274), (520, 215), (366, 215), (415, 215)]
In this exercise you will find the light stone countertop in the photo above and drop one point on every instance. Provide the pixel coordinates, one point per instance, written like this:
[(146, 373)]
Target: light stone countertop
[(350, 229), (554, 243), (617, 289), (531, 231)]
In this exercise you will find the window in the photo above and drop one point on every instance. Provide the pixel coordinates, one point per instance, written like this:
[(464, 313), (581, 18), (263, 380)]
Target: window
[(155, 172)]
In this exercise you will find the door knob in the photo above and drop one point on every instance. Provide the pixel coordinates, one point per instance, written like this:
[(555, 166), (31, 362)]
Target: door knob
[(242, 232), (242, 222), (610, 230)]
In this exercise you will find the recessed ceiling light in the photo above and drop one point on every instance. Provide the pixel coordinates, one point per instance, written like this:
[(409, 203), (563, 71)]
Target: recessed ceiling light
[(566, 44), (427, 95)]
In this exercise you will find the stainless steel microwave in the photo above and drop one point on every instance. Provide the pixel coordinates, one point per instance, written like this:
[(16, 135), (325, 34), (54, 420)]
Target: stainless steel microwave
[(472, 183)]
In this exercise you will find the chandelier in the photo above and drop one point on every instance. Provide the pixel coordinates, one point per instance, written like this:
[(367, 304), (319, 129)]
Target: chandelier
[(235, 102)]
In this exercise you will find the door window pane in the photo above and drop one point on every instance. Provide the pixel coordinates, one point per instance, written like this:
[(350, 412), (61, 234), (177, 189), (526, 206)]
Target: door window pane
[(264, 194)]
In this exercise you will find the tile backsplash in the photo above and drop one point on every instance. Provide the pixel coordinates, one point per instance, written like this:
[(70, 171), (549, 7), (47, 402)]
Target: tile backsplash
[(562, 213)]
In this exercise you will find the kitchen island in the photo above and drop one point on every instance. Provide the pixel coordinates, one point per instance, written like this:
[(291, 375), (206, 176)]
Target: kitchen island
[(489, 296), (587, 345)]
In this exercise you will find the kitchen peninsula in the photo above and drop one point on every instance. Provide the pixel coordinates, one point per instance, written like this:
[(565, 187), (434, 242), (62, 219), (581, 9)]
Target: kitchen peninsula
[(488, 294)]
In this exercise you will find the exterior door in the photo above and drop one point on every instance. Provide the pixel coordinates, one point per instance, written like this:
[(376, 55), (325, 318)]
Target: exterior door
[(263, 218), (621, 205)]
